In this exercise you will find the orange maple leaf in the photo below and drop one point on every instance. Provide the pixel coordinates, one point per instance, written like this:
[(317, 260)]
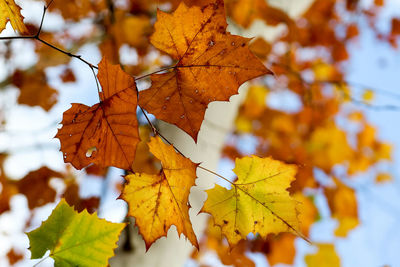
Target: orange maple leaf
[(107, 133), (211, 66)]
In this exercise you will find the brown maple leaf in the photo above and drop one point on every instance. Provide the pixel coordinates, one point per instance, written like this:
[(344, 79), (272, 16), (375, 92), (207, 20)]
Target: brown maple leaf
[(35, 186), (72, 197), (14, 256), (105, 134), (211, 66), (34, 89)]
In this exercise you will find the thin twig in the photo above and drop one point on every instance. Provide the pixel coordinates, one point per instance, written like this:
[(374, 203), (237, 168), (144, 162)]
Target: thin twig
[(216, 174), (66, 53), (41, 21), (37, 37)]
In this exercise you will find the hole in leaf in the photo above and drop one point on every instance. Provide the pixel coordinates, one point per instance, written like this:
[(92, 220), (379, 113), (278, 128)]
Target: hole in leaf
[(90, 151)]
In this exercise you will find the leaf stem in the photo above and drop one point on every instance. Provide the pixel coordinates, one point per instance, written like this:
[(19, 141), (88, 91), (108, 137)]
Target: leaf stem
[(153, 128), (42, 260), (216, 174), (155, 72)]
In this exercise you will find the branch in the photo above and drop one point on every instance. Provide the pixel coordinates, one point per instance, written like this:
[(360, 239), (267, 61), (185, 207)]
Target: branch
[(37, 38)]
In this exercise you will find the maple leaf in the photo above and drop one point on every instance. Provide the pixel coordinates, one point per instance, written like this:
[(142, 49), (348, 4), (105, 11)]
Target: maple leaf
[(144, 160), (75, 239), (325, 257), (342, 202), (244, 12), (260, 47), (14, 256), (9, 11), (68, 76), (328, 146), (71, 196), (281, 249), (257, 203), (122, 32), (159, 201), (107, 133), (211, 66), (78, 9), (34, 89), (35, 186)]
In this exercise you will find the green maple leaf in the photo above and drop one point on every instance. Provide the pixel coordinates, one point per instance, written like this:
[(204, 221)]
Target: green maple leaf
[(75, 239)]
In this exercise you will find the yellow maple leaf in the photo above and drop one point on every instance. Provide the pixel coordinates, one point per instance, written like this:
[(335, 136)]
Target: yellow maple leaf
[(254, 104), (258, 201), (160, 201), (122, 30), (9, 11), (383, 151), (243, 124), (325, 257), (346, 224), (342, 202), (329, 146)]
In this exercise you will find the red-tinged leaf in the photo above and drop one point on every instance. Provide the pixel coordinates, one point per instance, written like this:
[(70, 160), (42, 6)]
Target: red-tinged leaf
[(105, 134)]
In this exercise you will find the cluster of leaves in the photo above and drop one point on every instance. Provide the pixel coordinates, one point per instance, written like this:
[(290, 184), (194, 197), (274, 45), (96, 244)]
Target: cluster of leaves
[(210, 65), (310, 136)]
